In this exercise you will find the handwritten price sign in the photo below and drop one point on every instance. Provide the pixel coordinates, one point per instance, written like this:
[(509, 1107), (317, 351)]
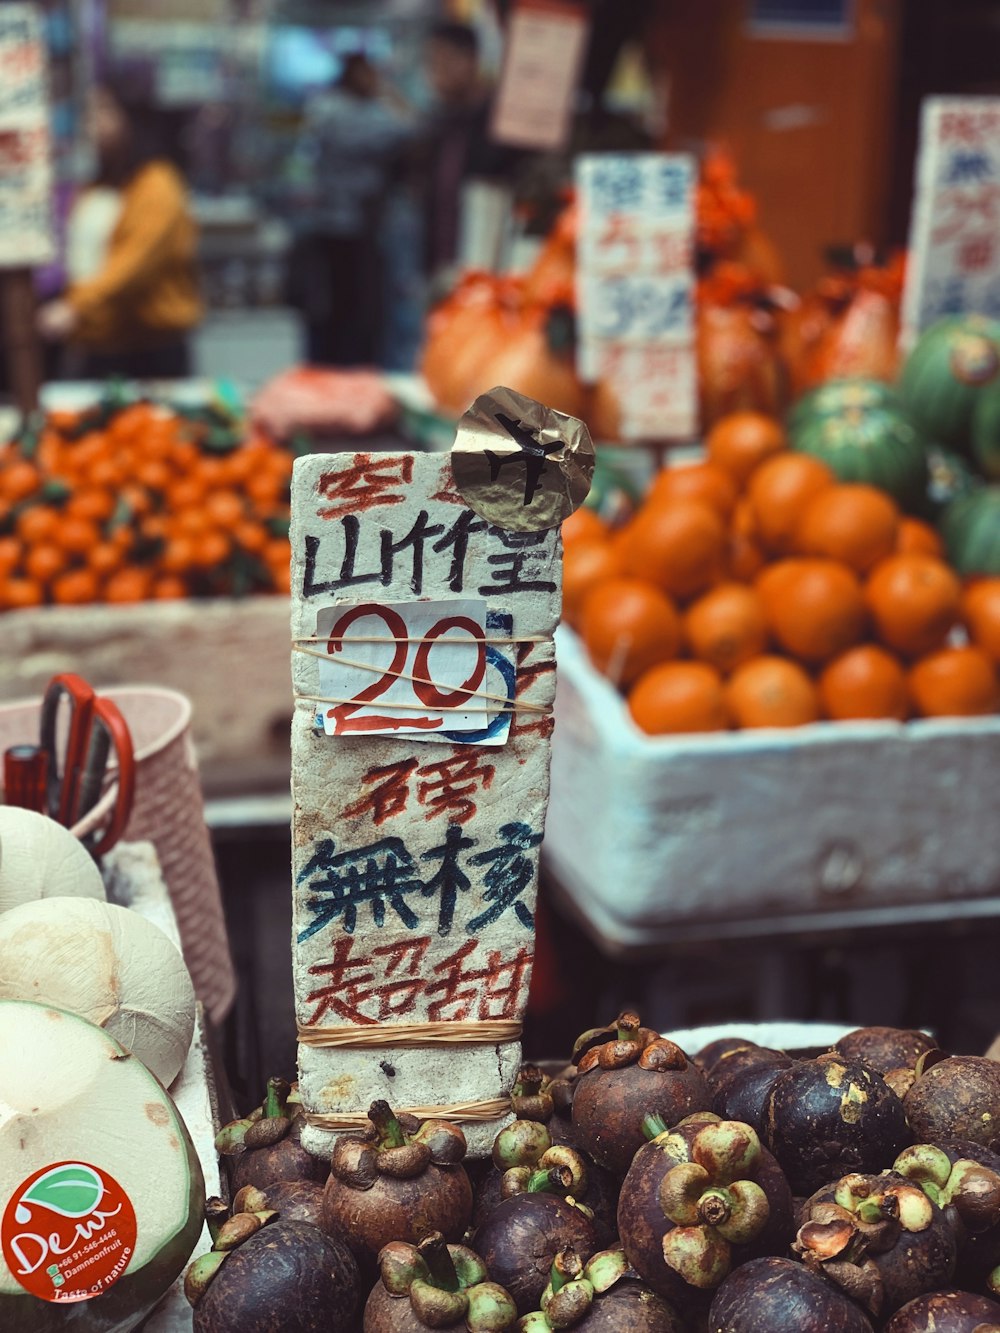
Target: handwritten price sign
[(636, 288), (25, 150), (954, 263), (426, 670)]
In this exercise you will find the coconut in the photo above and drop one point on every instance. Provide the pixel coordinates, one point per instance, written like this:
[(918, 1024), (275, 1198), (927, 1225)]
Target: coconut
[(109, 965), (99, 1182), (41, 859)]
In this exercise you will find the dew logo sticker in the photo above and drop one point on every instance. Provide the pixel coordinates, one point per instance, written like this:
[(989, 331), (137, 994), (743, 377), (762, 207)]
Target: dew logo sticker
[(68, 1232)]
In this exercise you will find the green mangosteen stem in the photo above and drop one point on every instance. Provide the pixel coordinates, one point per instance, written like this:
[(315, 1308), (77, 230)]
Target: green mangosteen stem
[(566, 1267), (529, 1081), (715, 1207), (277, 1094), (556, 1180), (653, 1126), (216, 1213), (388, 1128), (628, 1027), (440, 1265)]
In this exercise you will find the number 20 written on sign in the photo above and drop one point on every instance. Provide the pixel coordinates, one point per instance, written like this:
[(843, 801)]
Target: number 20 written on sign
[(438, 663)]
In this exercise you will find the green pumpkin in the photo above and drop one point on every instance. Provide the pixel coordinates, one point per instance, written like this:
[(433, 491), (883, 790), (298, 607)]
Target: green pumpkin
[(971, 531), (985, 436), (877, 445), (833, 397), (949, 478), (944, 375)]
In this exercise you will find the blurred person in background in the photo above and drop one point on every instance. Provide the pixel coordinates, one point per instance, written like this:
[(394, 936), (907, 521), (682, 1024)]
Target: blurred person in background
[(352, 137), (132, 298)]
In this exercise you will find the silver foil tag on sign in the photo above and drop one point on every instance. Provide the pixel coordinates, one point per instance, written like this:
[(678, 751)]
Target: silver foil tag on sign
[(521, 465)]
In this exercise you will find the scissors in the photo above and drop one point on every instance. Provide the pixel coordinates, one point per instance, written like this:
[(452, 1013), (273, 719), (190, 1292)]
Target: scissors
[(76, 776)]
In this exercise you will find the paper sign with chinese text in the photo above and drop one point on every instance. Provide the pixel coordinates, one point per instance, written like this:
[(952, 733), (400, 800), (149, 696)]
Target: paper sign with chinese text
[(636, 288), (25, 144), (953, 265), (545, 49)]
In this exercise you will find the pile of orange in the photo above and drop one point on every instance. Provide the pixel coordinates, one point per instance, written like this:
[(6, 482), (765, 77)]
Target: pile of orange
[(140, 504), (752, 589)]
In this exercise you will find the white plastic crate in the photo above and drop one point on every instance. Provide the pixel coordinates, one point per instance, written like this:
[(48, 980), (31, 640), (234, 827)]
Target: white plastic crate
[(648, 832)]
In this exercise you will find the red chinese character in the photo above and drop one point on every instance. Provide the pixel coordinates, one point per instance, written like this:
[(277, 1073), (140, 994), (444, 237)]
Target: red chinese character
[(389, 793), (976, 253), (449, 786), (367, 482), (479, 993), (393, 981), (528, 722)]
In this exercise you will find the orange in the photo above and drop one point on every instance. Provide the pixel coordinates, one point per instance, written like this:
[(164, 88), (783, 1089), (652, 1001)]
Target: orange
[(168, 588), (104, 558), (18, 479), (855, 524), (679, 546), (746, 558), (955, 682), (178, 555), (585, 564), (741, 441), (44, 562), (771, 692), (76, 588), (92, 503), (250, 535), (814, 608), (10, 554), (915, 601), (866, 681), (583, 525), (706, 482), (726, 626), (224, 508), (212, 549), (981, 612), (128, 585), (679, 696), (779, 491), (629, 626), (37, 523), (76, 535), (915, 537), (16, 594)]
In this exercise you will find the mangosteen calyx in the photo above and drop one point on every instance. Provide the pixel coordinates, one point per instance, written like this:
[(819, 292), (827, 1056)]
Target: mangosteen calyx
[(400, 1146), (524, 1152), (972, 1189), (226, 1237), (445, 1284), (573, 1287), (531, 1096), (629, 1044), (265, 1125), (866, 1217)]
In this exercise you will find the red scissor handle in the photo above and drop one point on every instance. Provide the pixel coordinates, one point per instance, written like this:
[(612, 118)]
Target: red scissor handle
[(64, 778), (107, 716)]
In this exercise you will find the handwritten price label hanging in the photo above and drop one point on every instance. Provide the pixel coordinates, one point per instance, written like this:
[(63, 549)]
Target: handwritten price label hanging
[(420, 669)]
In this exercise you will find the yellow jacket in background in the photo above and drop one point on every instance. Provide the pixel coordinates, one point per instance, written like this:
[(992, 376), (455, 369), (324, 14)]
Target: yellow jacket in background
[(146, 292)]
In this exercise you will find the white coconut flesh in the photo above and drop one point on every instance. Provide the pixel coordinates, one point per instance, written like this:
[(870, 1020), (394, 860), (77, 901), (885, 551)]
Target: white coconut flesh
[(41, 859), (69, 1093), (108, 964)]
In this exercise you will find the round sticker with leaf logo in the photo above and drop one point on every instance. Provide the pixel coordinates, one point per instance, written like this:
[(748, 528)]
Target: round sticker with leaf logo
[(68, 1232)]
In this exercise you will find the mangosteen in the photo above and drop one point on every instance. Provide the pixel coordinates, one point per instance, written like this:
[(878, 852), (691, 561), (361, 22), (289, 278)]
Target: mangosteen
[(286, 1277), (293, 1200), (731, 1065), (266, 1146), (963, 1178), (397, 1180), (621, 1081), (829, 1116), (520, 1238), (698, 1200), (885, 1049), (524, 1147), (956, 1098), (709, 1055), (880, 1238), (779, 1296), (741, 1092), (950, 1311), (434, 1285), (601, 1296), (536, 1096)]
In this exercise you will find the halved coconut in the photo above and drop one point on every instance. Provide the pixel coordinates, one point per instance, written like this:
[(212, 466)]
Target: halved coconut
[(108, 964), (89, 1141), (41, 859)]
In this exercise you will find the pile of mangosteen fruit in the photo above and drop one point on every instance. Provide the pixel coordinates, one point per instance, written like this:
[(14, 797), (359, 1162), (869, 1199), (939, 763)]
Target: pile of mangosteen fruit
[(641, 1189)]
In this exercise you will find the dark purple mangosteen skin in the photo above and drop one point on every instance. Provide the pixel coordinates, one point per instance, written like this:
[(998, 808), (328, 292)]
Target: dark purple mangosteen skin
[(522, 1236), (957, 1098), (610, 1105), (744, 1096), (828, 1117), (629, 1307), (709, 1056), (287, 1278), (884, 1049), (918, 1262), (778, 1296), (732, 1066), (978, 1254), (951, 1311), (284, 1160), (642, 1223), (296, 1201), (601, 1195)]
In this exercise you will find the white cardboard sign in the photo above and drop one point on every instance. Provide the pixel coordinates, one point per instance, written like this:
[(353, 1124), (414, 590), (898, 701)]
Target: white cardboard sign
[(25, 143), (546, 46), (954, 252), (636, 288)]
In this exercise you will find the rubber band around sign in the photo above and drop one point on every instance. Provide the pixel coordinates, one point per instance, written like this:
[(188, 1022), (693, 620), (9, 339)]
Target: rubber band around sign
[(507, 705), (461, 1112), (382, 1035)]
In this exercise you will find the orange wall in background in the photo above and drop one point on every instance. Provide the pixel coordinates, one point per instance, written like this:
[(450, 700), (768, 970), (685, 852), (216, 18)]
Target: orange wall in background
[(809, 120)]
